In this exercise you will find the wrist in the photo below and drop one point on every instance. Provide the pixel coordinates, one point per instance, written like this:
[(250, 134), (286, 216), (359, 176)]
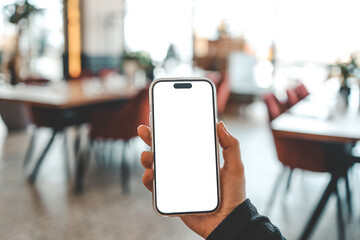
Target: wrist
[(230, 221)]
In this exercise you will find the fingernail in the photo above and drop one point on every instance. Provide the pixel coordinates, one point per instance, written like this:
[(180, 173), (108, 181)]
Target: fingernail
[(224, 128)]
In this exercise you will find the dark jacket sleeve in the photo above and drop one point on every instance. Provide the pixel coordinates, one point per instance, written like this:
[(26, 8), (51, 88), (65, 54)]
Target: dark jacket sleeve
[(245, 223)]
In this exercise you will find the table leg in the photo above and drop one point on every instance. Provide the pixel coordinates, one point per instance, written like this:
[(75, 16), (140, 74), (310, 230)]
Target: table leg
[(125, 171), (34, 173), (77, 140), (82, 153), (331, 188)]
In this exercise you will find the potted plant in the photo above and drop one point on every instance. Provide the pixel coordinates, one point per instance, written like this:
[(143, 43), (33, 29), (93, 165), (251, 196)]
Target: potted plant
[(346, 71), (15, 115), (132, 61), (18, 14)]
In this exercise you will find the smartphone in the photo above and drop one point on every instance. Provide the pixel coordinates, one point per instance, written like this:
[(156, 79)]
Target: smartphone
[(183, 120)]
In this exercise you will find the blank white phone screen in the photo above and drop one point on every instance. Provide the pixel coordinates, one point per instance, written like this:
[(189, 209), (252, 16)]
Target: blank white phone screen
[(185, 148)]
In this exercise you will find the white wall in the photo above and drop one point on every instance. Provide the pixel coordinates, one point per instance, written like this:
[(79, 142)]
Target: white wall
[(103, 27), (303, 30), (152, 25)]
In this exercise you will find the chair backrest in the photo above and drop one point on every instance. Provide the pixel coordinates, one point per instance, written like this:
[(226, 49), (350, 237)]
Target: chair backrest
[(84, 74), (301, 91), (105, 72), (273, 106), (121, 123), (223, 93), (292, 97), (294, 152), (214, 76), (141, 107), (38, 116), (301, 154), (35, 81)]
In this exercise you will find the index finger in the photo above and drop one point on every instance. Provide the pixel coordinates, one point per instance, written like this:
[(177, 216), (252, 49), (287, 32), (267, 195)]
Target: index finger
[(144, 134)]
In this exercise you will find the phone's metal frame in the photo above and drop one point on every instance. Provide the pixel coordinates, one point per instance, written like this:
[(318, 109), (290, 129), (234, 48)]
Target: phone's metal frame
[(151, 119)]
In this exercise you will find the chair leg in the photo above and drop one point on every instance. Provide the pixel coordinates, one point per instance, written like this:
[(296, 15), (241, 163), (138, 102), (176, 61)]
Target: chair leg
[(289, 181), (82, 163), (77, 140), (30, 149), (112, 156), (96, 148), (125, 170), (348, 192), (340, 218), (331, 188), (108, 153), (104, 151), (274, 191), (66, 153), (33, 175)]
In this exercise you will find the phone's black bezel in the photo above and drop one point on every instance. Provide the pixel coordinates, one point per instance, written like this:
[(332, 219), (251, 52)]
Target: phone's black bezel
[(215, 142)]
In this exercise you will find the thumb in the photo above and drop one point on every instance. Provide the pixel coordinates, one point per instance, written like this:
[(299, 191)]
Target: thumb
[(231, 150)]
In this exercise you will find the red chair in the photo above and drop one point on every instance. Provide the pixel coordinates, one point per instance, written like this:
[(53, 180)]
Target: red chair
[(36, 117), (214, 76), (290, 151), (313, 156), (16, 116), (301, 91), (274, 106), (43, 118), (303, 154), (105, 72), (223, 93), (84, 74), (292, 97), (35, 81), (121, 124)]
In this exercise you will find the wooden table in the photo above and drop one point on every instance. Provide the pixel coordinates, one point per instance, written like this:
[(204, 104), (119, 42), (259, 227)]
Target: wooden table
[(63, 95), (63, 104), (317, 119), (324, 117)]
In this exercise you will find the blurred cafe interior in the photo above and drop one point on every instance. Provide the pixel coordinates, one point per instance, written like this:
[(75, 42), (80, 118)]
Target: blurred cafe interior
[(74, 79)]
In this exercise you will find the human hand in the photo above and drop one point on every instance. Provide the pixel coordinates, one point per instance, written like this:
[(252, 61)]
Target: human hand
[(232, 181)]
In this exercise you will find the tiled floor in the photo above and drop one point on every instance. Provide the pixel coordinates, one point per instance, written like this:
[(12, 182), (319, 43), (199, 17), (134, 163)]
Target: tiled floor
[(50, 210)]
